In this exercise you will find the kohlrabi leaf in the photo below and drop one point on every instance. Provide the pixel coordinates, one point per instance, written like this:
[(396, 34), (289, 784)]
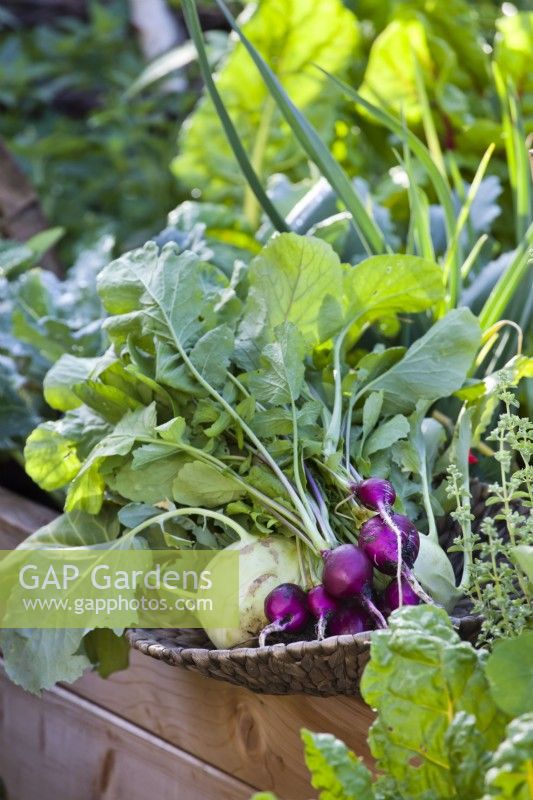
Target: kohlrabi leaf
[(510, 674), (280, 379), (290, 279), (76, 529), (435, 366), (62, 376), (385, 285), (200, 484), (386, 434), (108, 652), (50, 458), (335, 771), (38, 659), (86, 491), (419, 677), (292, 41), (511, 767)]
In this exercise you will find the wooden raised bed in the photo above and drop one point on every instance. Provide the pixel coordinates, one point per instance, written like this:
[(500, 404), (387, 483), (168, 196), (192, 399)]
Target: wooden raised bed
[(156, 731)]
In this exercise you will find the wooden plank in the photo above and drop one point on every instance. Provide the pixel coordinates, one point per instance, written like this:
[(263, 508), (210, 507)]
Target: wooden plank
[(19, 517), (61, 746), (253, 737)]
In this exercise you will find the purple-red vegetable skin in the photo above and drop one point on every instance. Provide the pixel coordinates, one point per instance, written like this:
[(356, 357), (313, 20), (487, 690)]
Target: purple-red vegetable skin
[(375, 493), (347, 572), (391, 597), (321, 606), (380, 543), (286, 609), (349, 620)]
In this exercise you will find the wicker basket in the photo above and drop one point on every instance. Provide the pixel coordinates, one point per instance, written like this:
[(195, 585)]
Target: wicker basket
[(332, 666)]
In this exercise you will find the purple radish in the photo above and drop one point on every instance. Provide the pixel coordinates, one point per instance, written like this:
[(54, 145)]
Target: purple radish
[(380, 543), (375, 493), (391, 596), (321, 606), (286, 609), (349, 620), (348, 574)]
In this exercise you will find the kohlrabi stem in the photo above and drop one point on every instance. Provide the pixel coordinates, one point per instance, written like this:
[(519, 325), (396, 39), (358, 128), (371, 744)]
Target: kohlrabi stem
[(183, 512), (296, 461), (386, 517), (314, 535)]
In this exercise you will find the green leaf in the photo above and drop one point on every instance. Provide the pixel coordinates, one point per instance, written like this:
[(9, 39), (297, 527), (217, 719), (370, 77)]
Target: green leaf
[(510, 674), (62, 377), (387, 434), (510, 774), (50, 459), (108, 652), (385, 285), (390, 76), (198, 484), (420, 675), (76, 529), (290, 40), (468, 757), (119, 285), (522, 555), (87, 489), (289, 280), (149, 483), (108, 401), (370, 234), (337, 772), (211, 354), (281, 379), (435, 366), (38, 659)]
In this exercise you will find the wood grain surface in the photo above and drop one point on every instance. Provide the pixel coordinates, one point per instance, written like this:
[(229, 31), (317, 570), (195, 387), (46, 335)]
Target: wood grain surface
[(62, 747)]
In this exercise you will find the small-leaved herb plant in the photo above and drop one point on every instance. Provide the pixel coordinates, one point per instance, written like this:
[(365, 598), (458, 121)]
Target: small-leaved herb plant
[(500, 573)]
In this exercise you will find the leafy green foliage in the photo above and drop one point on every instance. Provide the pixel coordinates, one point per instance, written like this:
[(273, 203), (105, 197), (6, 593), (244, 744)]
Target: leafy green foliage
[(291, 40), (43, 319), (497, 579), (96, 156)]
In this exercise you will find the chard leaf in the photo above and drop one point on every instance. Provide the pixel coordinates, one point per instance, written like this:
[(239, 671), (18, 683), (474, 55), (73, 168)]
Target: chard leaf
[(510, 675), (199, 484), (385, 285), (280, 381), (292, 41), (435, 366), (511, 768), (50, 458), (290, 279), (422, 672), (466, 750), (337, 772)]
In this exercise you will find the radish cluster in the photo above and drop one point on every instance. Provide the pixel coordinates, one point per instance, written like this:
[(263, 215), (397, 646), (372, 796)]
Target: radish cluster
[(344, 603)]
